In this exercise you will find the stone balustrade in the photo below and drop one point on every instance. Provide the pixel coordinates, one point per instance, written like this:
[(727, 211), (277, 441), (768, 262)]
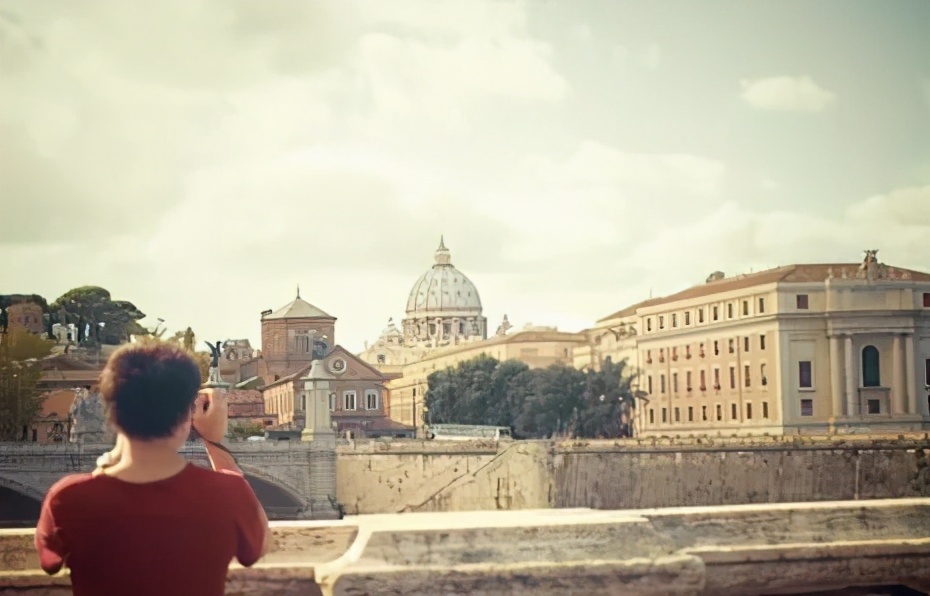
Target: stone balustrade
[(735, 550)]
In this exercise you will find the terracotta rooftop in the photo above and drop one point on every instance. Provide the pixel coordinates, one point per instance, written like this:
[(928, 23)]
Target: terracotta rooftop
[(245, 402), (801, 273), (298, 309)]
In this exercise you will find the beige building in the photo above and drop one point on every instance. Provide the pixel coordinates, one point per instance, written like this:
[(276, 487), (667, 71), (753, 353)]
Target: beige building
[(445, 325), (806, 349)]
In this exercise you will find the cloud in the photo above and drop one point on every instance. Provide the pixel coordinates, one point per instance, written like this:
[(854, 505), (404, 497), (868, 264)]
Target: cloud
[(735, 239), (789, 94)]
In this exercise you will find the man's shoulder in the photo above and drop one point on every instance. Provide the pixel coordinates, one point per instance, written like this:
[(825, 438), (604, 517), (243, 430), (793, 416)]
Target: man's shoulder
[(223, 478), (71, 481)]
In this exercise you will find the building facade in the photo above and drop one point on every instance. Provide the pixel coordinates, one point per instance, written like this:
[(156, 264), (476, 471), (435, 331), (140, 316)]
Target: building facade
[(801, 349)]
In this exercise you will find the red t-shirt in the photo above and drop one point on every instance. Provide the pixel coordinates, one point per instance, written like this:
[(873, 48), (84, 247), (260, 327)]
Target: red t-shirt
[(173, 537)]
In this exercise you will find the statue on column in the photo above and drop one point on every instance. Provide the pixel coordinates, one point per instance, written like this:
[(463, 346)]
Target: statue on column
[(89, 419), (214, 376)]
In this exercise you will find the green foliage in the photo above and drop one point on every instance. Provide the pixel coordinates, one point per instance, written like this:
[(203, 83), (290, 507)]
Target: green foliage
[(243, 430), (20, 372), (554, 401), (95, 305)]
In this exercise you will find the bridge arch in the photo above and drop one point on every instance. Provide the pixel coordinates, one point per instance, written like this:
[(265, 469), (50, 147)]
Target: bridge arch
[(20, 504), (279, 500)]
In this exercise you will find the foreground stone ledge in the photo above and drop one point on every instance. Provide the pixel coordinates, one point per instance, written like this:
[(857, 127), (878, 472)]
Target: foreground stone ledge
[(672, 576), (739, 550)]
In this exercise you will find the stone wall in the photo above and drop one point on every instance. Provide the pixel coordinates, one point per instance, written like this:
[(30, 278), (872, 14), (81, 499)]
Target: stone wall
[(392, 477)]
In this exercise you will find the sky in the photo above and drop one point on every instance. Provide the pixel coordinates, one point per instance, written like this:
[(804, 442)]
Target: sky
[(201, 158)]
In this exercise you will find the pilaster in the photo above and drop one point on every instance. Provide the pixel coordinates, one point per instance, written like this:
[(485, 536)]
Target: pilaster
[(851, 409)]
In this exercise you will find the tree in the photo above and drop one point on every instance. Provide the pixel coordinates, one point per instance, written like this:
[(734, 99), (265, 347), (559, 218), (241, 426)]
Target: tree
[(478, 391), (554, 401), (243, 430), (20, 372), (94, 305)]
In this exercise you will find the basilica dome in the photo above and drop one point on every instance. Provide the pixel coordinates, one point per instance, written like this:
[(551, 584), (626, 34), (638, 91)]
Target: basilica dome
[(443, 290)]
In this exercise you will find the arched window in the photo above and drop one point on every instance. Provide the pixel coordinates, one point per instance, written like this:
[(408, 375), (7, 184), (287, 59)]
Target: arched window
[(871, 372)]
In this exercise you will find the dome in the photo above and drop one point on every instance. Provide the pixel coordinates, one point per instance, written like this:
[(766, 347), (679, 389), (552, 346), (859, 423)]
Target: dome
[(443, 290)]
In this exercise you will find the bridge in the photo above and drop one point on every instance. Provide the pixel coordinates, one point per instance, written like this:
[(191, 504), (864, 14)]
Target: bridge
[(292, 479)]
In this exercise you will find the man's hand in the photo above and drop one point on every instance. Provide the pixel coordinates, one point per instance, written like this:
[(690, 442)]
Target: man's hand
[(211, 411), (112, 457)]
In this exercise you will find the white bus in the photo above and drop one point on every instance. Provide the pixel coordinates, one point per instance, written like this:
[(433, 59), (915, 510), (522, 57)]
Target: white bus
[(467, 432)]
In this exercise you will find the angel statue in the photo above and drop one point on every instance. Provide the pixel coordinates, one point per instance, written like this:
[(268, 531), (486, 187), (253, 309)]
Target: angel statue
[(214, 376)]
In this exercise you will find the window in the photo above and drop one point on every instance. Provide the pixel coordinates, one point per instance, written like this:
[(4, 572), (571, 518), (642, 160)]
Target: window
[(649, 384), (748, 411), (688, 384), (719, 412), (717, 378), (871, 373), (926, 299), (730, 346), (762, 342), (805, 379), (761, 305), (381, 358), (652, 416), (927, 371), (801, 301), (664, 415), (765, 409), (733, 410), (703, 381), (730, 310), (332, 402), (675, 383), (348, 400), (807, 407), (875, 406), (675, 353), (762, 376), (701, 314), (372, 401), (648, 356), (674, 319), (746, 375), (732, 377), (716, 313), (716, 348), (649, 324), (677, 415), (687, 317), (745, 344), (662, 384), (704, 413), (661, 322), (745, 308), (690, 414)]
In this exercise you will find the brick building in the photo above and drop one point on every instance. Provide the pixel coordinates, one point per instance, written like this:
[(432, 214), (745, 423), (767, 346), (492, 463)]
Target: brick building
[(25, 315), (292, 337)]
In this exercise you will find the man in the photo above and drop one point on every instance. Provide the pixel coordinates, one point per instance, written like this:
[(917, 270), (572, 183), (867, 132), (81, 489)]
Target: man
[(146, 521)]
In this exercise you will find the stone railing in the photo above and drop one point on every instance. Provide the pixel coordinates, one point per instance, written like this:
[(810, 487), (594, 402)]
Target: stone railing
[(734, 550)]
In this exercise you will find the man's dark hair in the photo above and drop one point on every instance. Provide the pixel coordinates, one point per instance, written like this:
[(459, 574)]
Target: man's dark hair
[(149, 388)]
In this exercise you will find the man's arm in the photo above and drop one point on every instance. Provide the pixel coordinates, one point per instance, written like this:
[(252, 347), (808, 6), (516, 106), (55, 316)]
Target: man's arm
[(211, 424), (51, 548)]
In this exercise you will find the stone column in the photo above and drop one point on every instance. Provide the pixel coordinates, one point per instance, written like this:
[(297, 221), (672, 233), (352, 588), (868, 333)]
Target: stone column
[(836, 378), (318, 431), (898, 391), (851, 409), (910, 375)]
